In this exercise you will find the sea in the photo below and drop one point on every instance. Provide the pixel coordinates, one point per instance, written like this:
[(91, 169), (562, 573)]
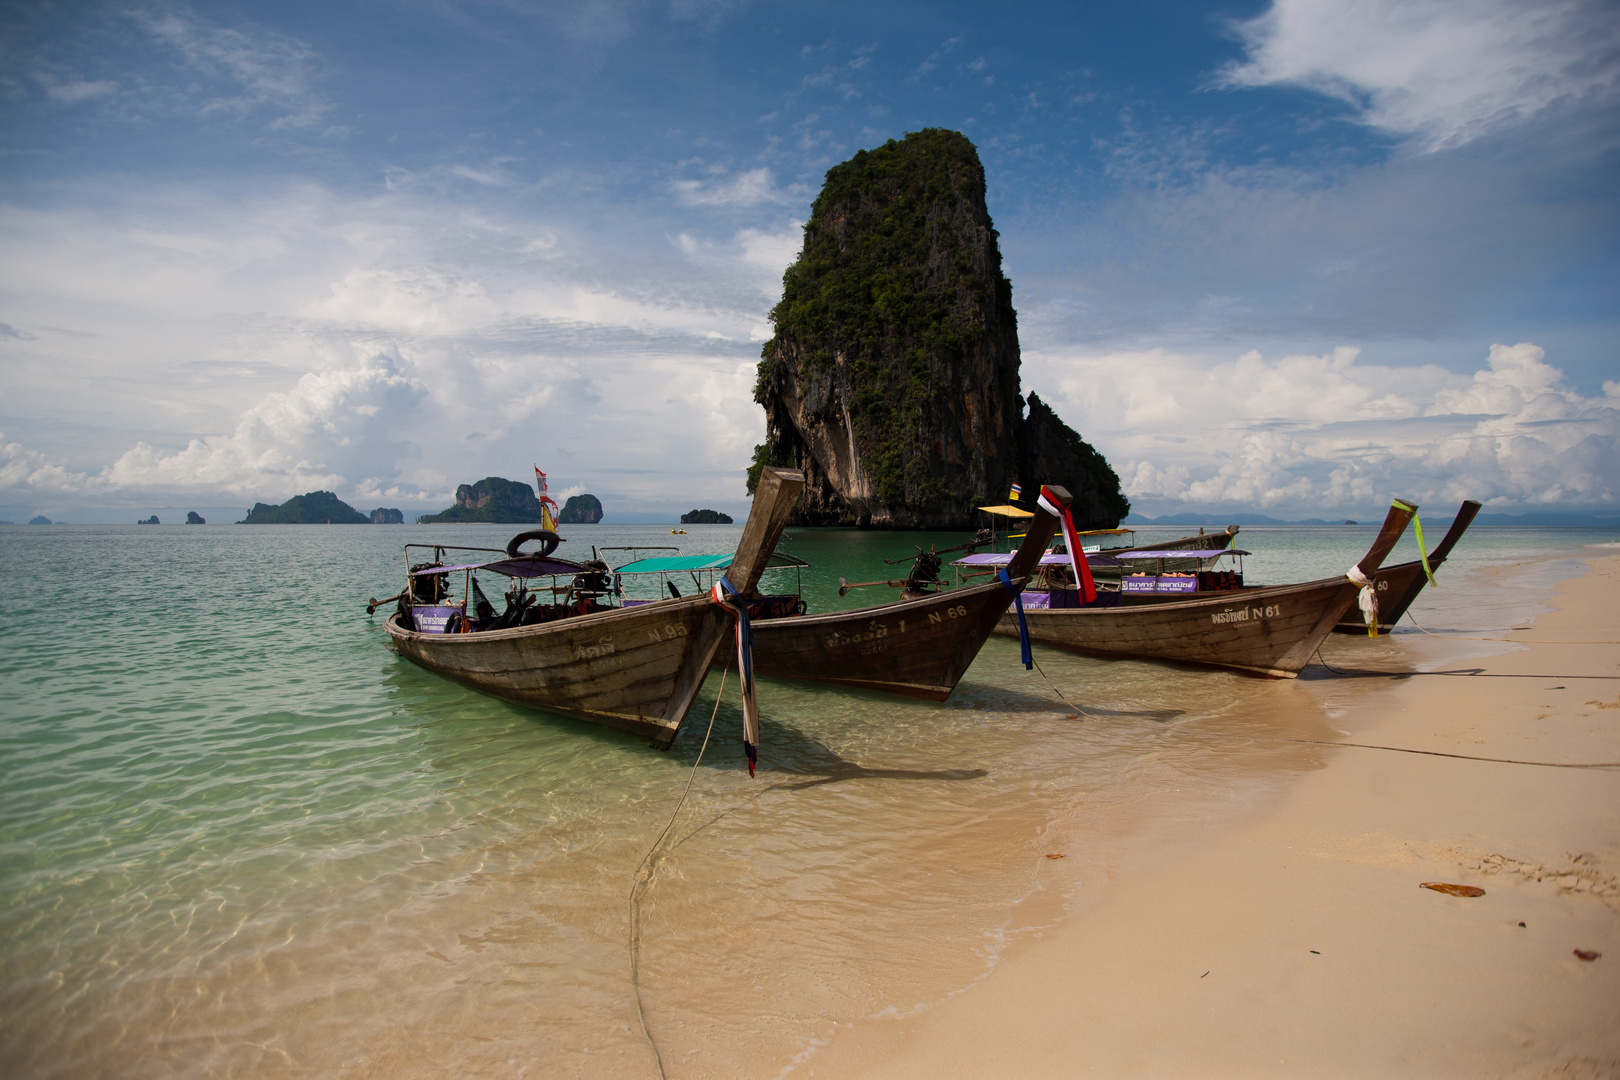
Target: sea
[(239, 837)]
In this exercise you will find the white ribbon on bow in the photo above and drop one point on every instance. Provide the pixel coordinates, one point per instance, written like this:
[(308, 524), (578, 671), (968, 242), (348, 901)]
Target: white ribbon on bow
[(1367, 600)]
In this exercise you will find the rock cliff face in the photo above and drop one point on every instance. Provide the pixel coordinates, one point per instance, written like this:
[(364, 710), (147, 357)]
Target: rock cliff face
[(580, 510), (386, 516), (892, 379), (492, 499)]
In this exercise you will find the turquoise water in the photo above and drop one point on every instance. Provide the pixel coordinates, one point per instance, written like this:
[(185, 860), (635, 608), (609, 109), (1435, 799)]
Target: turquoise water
[(239, 837)]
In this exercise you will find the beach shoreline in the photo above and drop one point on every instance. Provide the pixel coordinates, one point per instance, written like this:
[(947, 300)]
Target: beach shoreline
[(1294, 938)]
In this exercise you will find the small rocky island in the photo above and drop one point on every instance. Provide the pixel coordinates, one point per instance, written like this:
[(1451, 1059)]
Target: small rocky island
[(40, 520), (153, 520), (580, 510), (313, 508), (194, 518), (384, 516), (493, 499), (893, 376), (705, 517)]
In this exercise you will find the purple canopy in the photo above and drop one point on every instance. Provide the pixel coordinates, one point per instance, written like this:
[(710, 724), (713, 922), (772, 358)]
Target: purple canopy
[(523, 567)]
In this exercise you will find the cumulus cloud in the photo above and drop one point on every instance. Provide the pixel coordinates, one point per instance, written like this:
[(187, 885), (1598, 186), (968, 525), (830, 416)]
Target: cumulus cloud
[(1313, 435), (1438, 72), (721, 189), (332, 428)]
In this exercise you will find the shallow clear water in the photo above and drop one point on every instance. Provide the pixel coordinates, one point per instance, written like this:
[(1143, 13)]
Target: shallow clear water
[(239, 837)]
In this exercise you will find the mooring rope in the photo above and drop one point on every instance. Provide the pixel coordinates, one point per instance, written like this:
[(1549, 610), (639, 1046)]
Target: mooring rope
[(644, 875), (1511, 641)]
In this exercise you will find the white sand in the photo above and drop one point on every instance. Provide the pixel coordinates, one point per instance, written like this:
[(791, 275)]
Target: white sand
[(1298, 942)]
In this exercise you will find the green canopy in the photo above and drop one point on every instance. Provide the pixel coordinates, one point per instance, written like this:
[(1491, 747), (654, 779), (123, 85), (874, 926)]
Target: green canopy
[(677, 563)]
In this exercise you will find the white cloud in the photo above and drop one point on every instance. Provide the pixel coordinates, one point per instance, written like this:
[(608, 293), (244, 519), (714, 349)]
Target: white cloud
[(1440, 72), (257, 68), (1314, 435), (749, 188)]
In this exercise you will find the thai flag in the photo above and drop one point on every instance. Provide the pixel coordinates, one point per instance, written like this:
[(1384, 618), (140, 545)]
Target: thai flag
[(1017, 492)]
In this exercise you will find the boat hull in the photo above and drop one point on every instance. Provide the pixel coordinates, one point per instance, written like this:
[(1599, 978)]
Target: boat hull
[(915, 648), (634, 670), (1397, 586), (1268, 631)]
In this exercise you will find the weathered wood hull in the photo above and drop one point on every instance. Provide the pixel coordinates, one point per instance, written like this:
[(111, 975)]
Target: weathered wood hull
[(1267, 631), (1399, 585), (916, 648), (635, 670)]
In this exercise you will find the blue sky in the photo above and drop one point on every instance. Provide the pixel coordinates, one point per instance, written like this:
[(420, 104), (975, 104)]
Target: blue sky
[(1289, 257)]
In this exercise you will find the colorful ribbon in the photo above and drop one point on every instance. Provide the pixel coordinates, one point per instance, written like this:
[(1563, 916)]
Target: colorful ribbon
[(1077, 558), (724, 594), (1023, 628), (1367, 600), (1417, 530)]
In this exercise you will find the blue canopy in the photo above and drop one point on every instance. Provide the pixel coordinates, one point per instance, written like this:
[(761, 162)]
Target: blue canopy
[(676, 563)]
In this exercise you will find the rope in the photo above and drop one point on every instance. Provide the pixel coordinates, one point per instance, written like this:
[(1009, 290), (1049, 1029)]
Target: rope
[(1512, 641), (1373, 746), (1477, 673), (641, 879)]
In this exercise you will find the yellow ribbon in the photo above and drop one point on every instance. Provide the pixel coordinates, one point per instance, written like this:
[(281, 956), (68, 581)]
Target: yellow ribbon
[(1417, 530)]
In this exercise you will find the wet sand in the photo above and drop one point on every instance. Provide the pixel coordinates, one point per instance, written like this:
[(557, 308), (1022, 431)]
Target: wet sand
[(1296, 939)]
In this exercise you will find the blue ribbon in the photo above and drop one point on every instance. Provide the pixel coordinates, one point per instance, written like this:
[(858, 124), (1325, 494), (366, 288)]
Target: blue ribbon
[(1023, 628), (745, 662)]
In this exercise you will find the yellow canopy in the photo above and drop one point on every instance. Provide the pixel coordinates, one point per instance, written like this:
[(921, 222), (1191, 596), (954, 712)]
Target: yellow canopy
[(1008, 511), (1104, 532)]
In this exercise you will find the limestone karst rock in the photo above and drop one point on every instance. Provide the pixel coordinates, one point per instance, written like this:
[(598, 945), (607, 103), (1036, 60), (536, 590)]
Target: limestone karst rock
[(580, 510), (493, 499), (892, 379), (311, 508)]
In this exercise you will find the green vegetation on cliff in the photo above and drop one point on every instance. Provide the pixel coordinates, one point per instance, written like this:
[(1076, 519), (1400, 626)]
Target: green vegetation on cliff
[(493, 499), (314, 508), (892, 278)]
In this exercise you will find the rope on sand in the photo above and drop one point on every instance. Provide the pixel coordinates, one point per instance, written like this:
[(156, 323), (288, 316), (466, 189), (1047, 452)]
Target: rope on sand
[(644, 875), (1511, 641)]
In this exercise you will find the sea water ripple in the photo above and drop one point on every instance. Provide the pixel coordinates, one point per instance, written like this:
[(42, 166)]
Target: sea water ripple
[(239, 837)]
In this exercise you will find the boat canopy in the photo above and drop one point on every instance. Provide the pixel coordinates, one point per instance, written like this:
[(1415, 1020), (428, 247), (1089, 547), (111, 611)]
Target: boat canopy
[(666, 564), (1106, 532), (518, 568), (1204, 553), (992, 558), (1007, 511)]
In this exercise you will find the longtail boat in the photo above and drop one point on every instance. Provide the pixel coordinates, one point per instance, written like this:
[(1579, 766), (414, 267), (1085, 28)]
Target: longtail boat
[(636, 668), (1267, 631), (1399, 585), (917, 647)]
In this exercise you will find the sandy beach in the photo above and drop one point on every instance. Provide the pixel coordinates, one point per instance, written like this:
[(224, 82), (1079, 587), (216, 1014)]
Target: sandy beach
[(1297, 939)]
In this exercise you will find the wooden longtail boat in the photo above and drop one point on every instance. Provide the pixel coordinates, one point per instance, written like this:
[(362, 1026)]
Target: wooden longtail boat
[(1201, 542), (635, 669), (1399, 585), (1267, 630), (916, 648)]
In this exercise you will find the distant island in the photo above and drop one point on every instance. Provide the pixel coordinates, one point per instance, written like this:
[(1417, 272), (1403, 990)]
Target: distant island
[(493, 499), (580, 510), (194, 518), (313, 508), (153, 520), (384, 516), (41, 520), (705, 517)]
